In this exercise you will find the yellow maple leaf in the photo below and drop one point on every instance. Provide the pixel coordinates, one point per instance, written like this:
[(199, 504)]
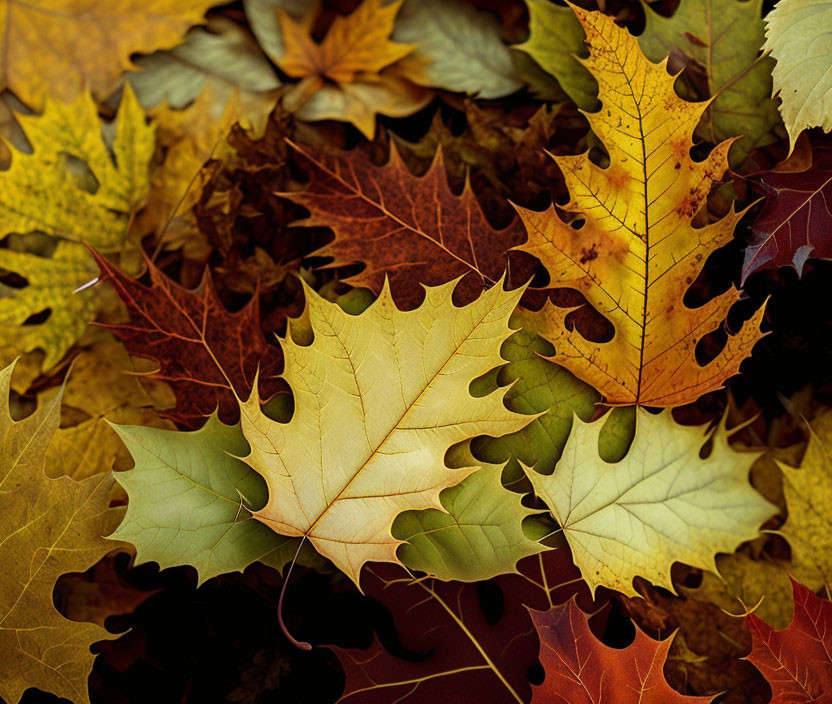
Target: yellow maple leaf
[(58, 48), (379, 399), (638, 251), (355, 73), (48, 527), (662, 503), (90, 199)]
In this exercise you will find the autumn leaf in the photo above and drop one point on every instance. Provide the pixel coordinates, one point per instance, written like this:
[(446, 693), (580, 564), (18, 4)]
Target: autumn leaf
[(49, 527), (662, 503), (637, 251), (59, 49), (460, 45), (796, 221), (103, 387), (482, 531), (808, 492), (724, 38), (466, 656), (796, 36), (41, 192), (580, 669), (379, 399), (411, 230), (207, 354), (796, 661), (191, 501)]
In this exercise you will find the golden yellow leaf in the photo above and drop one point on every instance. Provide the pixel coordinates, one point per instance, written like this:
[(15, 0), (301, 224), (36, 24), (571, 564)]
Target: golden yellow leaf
[(355, 73), (101, 387), (637, 251), (379, 399), (48, 527), (78, 190), (59, 48), (355, 44)]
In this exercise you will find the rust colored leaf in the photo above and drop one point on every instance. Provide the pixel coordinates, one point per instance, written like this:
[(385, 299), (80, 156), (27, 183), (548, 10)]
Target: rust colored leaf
[(796, 222), (206, 353), (471, 655), (796, 661), (580, 669), (414, 230)]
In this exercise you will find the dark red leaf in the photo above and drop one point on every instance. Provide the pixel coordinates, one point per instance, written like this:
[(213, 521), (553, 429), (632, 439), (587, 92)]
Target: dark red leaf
[(205, 352), (796, 222), (797, 661), (412, 229)]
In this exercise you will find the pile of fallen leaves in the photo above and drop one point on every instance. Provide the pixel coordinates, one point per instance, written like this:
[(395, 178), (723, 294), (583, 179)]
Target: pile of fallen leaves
[(416, 351)]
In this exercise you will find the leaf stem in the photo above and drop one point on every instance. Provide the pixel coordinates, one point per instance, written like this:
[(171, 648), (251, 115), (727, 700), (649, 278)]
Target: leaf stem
[(300, 644)]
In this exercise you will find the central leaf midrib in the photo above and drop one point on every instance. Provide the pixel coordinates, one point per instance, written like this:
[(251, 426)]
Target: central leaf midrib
[(395, 426)]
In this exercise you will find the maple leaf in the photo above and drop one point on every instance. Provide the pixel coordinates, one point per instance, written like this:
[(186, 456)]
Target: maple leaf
[(796, 661), (355, 73), (61, 48), (379, 399), (796, 221), (467, 656), (733, 71), (409, 230), (191, 501), (654, 507), (460, 45), (808, 494), (637, 251), (40, 192), (580, 669), (49, 527), (207, 354), (796, 36), (482, 531)]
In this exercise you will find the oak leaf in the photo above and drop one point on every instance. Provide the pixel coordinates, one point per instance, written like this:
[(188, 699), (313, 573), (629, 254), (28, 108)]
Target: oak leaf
[(580, 669), (41, 192), (796, 221), (410, 230), (207, 354), (795, 661), (662, 503), (637, 250), (48, 527), (463, 655), (61, 48), (379, 399), (797, 35)]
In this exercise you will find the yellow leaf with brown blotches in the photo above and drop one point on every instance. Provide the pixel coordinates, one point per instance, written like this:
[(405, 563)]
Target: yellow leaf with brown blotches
[(637, 250)]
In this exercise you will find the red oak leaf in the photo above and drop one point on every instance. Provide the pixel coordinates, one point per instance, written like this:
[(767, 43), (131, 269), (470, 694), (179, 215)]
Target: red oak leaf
[(580, 669), (468, 655), (796, 222), (797, 661), (414, 230), (205, 352)]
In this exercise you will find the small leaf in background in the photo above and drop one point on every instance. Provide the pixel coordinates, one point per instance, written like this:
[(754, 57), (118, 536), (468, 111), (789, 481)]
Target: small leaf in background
[(662, 503), (580, 669), (796, 661), (209, 355), (795, 223), (797, 35)]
